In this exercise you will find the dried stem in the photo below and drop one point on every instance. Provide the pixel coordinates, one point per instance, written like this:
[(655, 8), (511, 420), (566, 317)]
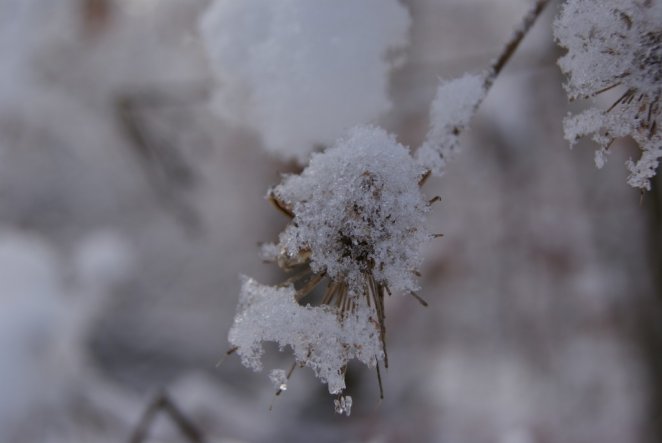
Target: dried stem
[(511, 45), (166, 170), (492, 72)]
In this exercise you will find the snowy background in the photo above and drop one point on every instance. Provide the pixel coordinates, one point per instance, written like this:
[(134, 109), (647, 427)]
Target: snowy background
[(135, 156)]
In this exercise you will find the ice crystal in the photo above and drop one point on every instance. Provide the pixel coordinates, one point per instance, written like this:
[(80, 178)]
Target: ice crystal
[(301, 72), (358, 211), (615, 45), (279, 379), (343, 405), (454, 105)]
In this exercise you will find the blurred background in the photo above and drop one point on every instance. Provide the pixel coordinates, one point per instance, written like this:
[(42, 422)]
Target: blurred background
[(128, 210)]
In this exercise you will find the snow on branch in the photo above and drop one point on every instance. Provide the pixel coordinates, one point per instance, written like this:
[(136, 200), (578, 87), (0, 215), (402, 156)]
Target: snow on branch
[(457, 100), (453, 107)]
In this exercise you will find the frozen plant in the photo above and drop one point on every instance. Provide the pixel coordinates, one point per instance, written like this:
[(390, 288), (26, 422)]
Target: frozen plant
[(615, 45), (301, 72), (321, 337), (358, 219)]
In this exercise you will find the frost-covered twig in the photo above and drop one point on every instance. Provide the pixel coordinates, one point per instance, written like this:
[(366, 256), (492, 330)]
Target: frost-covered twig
[(457, 100)]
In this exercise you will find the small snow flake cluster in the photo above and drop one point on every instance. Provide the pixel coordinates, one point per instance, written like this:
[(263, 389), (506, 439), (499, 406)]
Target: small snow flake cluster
[(453, 107), (300, 72), (615, 45), (358, 219), (279, 379)]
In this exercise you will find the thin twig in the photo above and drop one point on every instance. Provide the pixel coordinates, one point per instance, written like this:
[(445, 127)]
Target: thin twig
[(379, 381), (492, 72), (166, 170), (511, 45)]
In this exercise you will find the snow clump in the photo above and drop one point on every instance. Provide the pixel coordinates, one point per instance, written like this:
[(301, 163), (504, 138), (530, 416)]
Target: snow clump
[(301, 72), (454, 105), (615, 45)]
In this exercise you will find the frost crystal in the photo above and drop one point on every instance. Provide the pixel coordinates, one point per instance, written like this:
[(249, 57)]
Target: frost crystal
[(453, 106), (320, 337), (343, 405), (301, 72), (358, 212), (615, 45), (279, 379)]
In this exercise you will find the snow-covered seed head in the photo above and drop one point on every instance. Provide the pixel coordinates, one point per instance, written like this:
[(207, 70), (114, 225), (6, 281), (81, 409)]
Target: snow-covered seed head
[(615, 45), (358, 219), (358, 212), (610, 43), (648, 60)]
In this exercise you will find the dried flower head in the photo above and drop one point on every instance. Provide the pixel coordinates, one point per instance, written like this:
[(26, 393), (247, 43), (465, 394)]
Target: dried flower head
[(615, 45), (357, 220)]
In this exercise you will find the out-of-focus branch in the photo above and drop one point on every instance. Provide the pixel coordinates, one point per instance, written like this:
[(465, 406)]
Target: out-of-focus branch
[(166, 169), (513, 43), (163, 403)]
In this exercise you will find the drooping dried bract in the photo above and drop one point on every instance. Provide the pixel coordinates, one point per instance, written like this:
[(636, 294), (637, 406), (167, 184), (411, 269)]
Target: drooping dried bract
[(320, 337), (615, 45)]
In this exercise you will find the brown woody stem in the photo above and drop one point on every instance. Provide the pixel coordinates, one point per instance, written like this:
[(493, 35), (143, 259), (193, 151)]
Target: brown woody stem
[(511, 45)]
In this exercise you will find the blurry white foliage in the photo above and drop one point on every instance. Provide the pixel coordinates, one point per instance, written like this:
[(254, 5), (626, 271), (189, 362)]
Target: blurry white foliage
[(44, 322), (359, 210), (615, 44), (300, 72), (31, 318), (454, 104), (319, 337), (102, 259), (27, 27)]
